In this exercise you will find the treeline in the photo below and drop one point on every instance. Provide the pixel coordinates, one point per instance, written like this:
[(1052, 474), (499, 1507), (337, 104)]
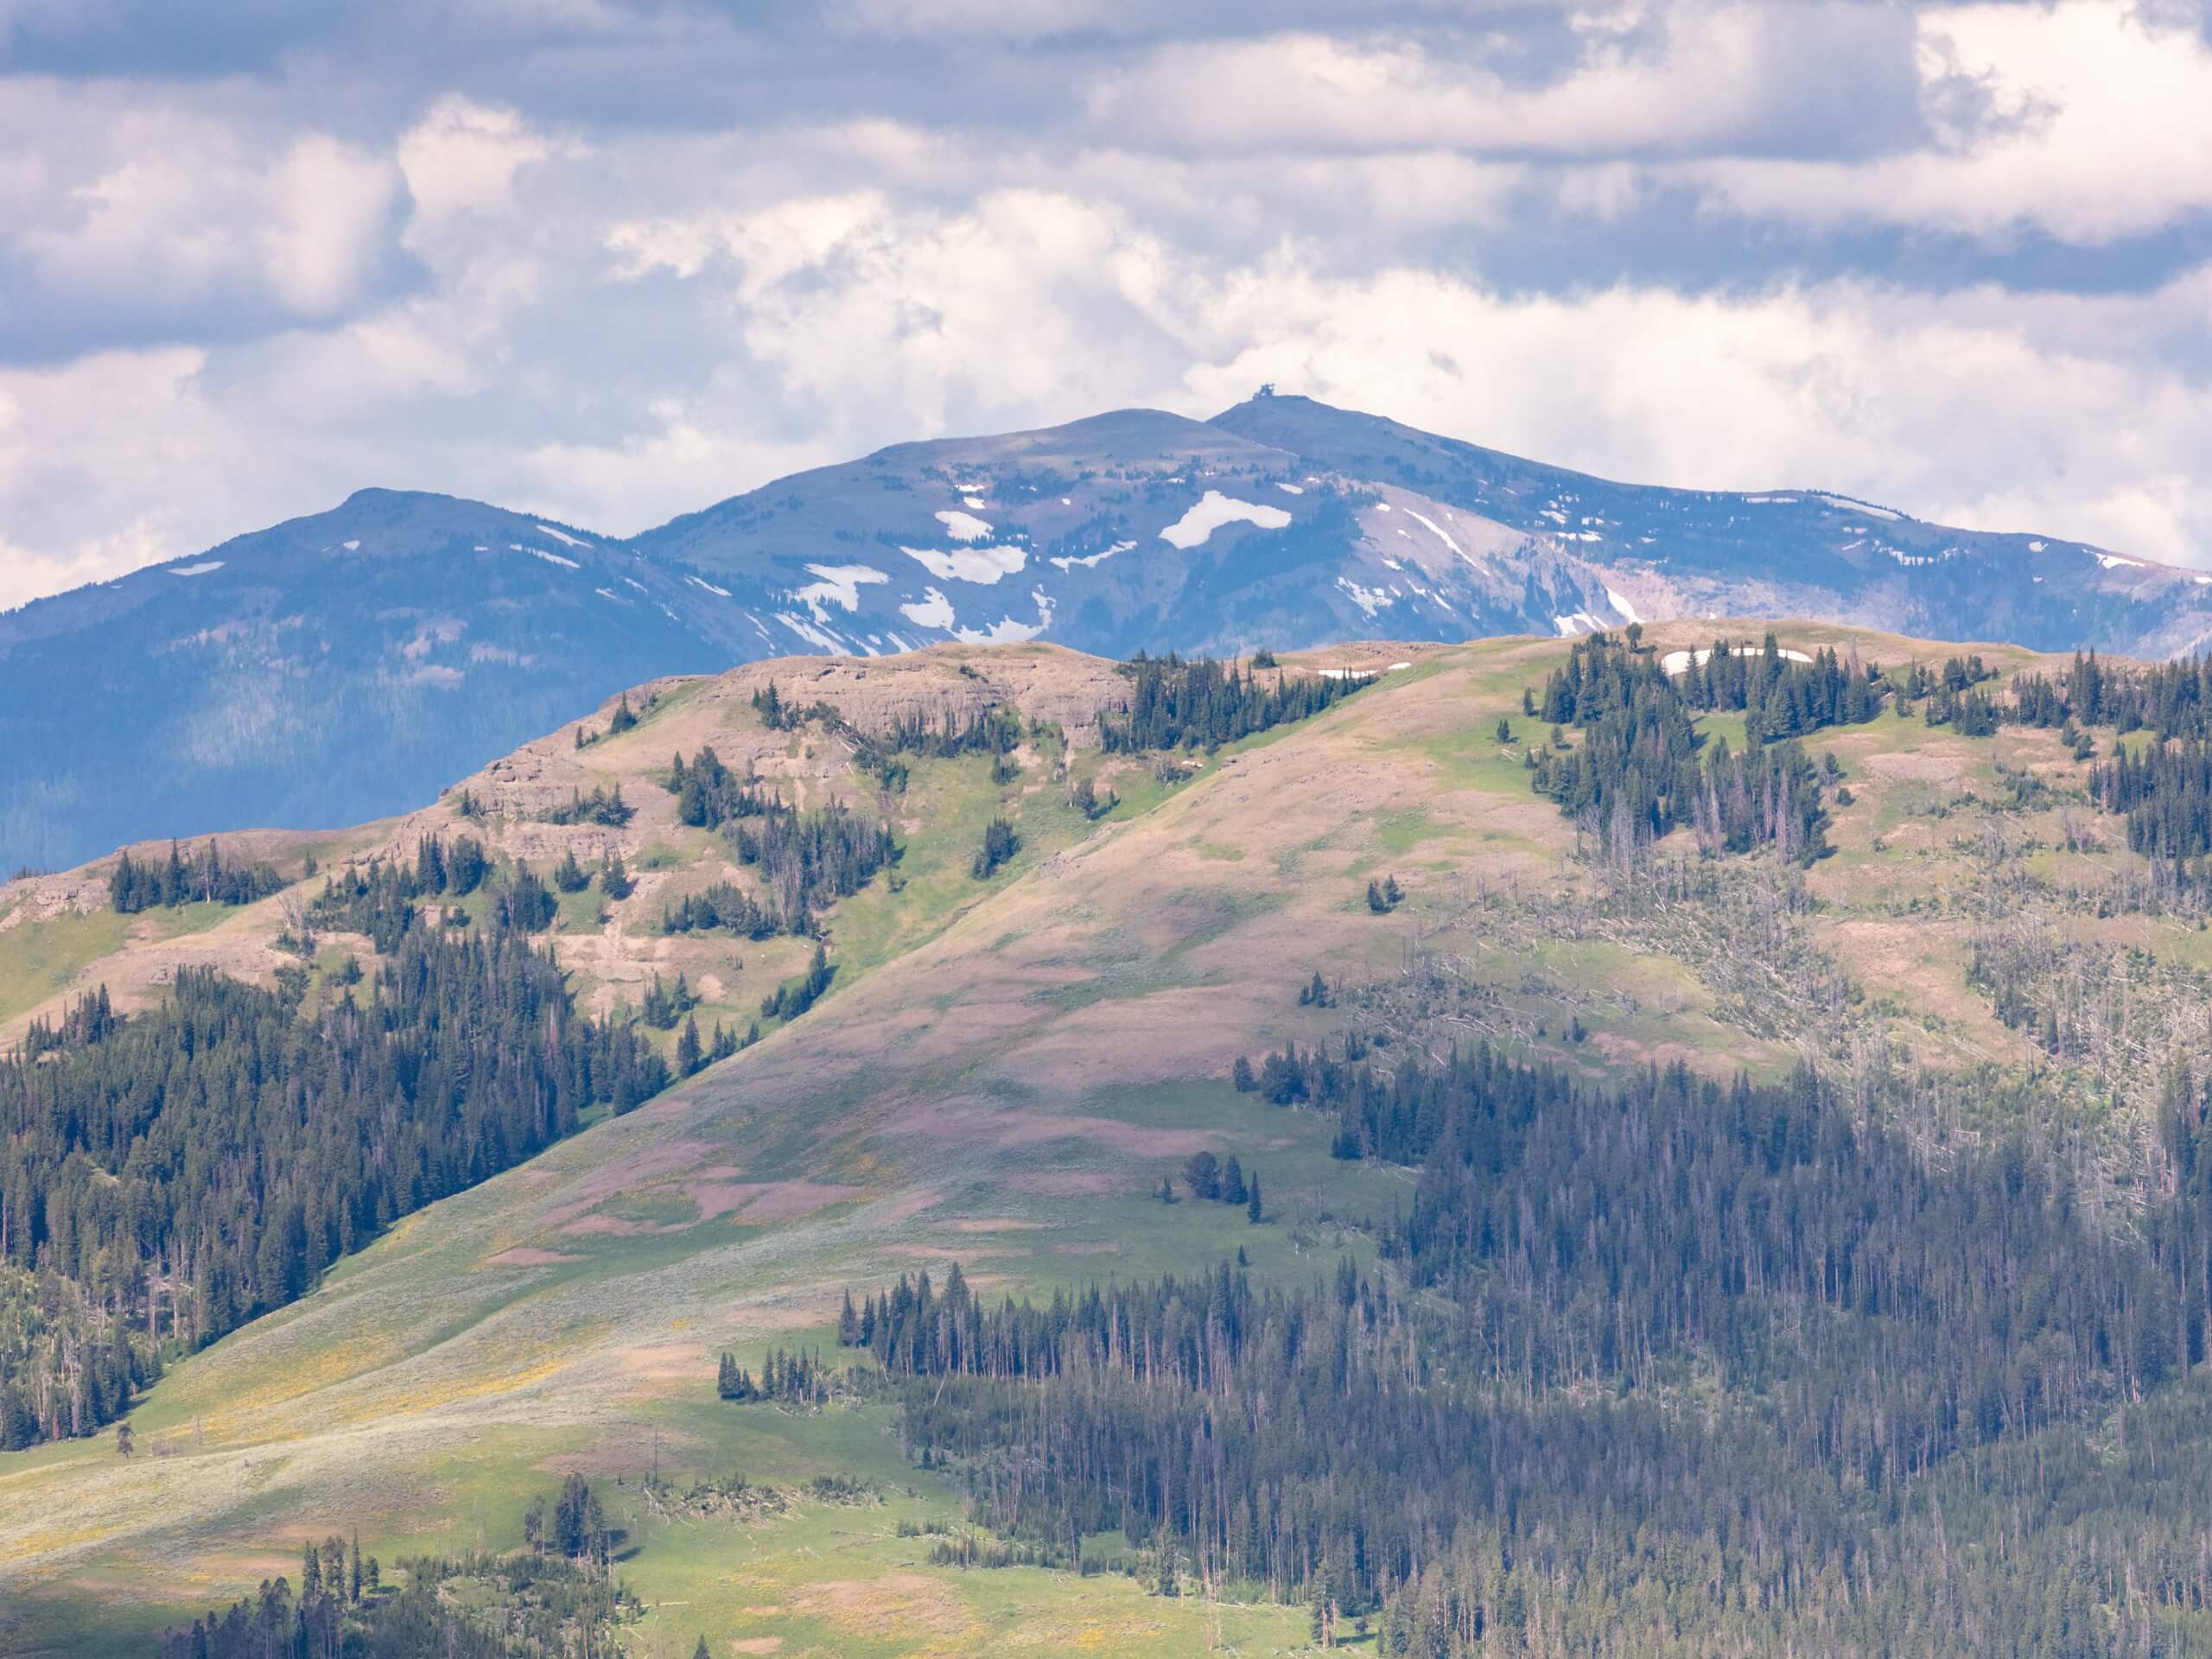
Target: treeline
[(553, 1598), (798, 1378), (133, 887), (1780, 697), (378, 898), (2169, 699), (2165, 794), (1677, 1368), (203, 1162), (807, 860), (1636, 774), (602, 806), (1198, 703)]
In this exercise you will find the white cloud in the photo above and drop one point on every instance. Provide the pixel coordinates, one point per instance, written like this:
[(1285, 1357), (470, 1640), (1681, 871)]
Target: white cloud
[(226, 300), (1720, 76), (461, 158), (2099, 127), (187, 213)]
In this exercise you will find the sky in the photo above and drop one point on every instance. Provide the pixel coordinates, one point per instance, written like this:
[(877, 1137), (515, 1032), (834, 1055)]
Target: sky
[(608, 261)]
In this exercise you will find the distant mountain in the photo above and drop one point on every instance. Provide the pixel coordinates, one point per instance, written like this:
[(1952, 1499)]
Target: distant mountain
[(345, 666), (1784, 552), (1286, 522), (334, 668)]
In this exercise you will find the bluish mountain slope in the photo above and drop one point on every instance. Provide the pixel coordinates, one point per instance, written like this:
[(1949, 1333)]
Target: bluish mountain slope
[(343, 666), (330, 670)]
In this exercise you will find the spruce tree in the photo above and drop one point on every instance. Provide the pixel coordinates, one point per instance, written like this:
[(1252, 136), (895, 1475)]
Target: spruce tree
[(1252, 1198)]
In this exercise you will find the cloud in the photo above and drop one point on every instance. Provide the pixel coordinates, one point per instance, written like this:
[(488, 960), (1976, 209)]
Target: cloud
[(168, 222), (2082, 120), (609, 262), (1748, 77)]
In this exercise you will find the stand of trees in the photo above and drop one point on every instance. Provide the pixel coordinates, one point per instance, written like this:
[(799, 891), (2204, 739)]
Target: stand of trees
[(554, 1597), (603, 806), (1199, 702), (133, 887), (1636, 774), (998, 846), (1779, 697), (2170, 699), (191, 1166), (379, 898), (2165, 794), (807, 860), (1681, 1368)]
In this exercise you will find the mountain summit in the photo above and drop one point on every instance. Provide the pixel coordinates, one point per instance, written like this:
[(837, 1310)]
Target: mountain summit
[(341, 666)]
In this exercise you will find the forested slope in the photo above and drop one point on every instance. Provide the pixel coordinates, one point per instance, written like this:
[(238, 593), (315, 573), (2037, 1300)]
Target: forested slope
[(1720, 1139)]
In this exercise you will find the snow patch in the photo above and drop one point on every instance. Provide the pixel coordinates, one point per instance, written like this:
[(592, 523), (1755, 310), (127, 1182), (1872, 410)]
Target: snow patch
[(1771, 500), (633, 581), (709, 587), (840, 586), (1292, 489), (1619, 603), (2113, 561), (1680, 662), (2037, 547), (562, 536), (808, 631), (354, 546), (1440, 533), (933, 611), (1092, 559), (1214, 510), (963, 526), (976, 501), (984, 565), (1849, 506), (198, 570), (1579, 622), (1007, 632), (607, 593), (551, 558), (1370, 600)]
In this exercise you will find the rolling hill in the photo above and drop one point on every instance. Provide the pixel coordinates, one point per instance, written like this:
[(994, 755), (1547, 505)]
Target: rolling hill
[(1006, 1065), (344, 665)]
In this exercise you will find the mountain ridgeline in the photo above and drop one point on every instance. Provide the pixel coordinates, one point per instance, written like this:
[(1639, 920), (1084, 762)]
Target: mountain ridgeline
[(343, 666)]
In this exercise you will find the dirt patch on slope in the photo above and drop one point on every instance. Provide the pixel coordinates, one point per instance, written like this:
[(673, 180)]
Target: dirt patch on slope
[(528, 1256)]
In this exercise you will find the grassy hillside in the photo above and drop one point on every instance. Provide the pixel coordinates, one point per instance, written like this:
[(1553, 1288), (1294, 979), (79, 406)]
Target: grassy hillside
[(1000, 1076)]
